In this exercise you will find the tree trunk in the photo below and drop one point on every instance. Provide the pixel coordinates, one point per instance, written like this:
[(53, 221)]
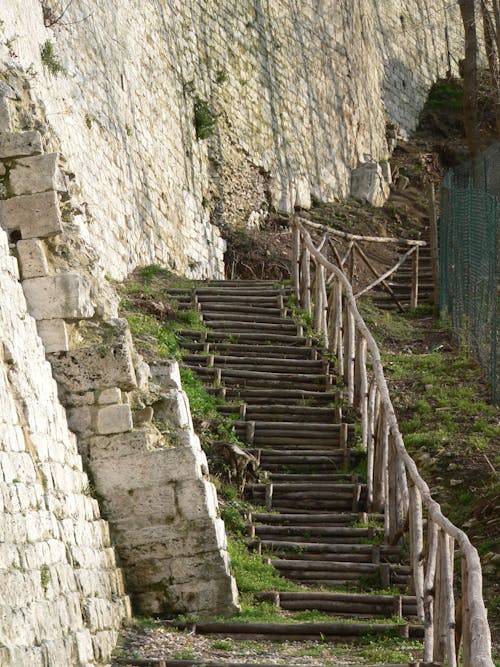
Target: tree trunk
[(467, 10), (491, 42)]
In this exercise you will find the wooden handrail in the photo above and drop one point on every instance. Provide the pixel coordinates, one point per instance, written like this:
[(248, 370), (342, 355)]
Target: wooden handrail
[(394, 484), (356, 237)]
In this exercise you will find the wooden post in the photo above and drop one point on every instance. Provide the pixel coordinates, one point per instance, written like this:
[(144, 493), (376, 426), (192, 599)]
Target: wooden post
[(430, 574), (349, 354), (340, 332), (434, 244), (449, 607), (269, 497), (361, 387), (466, 633), (370, 443), (324, 314), (417, 547), (381, 455), (414, 279), (305, 285), (352, 259), (296, 262), (318, 295)]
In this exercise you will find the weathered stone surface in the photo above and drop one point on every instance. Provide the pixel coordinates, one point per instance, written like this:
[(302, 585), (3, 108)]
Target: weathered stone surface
[(166, 374), (109, 396), (113, 419), (369, 183), (47, 520), (107, 364), (36, 216), (32, 258), (80, 419), (54, 335), (63, 296), (20, 144), (40, 173), (4, 115)]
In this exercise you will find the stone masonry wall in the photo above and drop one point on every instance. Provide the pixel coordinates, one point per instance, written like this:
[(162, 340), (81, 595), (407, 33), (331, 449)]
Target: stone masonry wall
[(302, 92), (156, 492), (62, 598)]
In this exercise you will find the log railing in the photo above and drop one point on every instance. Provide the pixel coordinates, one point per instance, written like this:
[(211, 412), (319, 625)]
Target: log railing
[(394, 485), (355, 253)]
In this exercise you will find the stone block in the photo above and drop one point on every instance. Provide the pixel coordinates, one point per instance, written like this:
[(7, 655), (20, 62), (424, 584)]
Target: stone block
[(109, 396), (80, 419), (114, 419), (36, 216), (97, 366), (64, 296), (369, 184), (36, 174), (302, 194), (166, 374), (20, 144), (4, 115), (54, 335), (32, 258)]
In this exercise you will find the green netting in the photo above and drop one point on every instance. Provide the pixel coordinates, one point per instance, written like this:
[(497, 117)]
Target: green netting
[(469, 258)]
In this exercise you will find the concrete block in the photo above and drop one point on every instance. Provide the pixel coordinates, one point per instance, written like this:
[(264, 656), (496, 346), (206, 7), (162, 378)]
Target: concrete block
[(32, 258), (36, 174), (109, 396), (54, 335), (369, 184), (20, 144), (114, 419), (36, 216), (66, 295)]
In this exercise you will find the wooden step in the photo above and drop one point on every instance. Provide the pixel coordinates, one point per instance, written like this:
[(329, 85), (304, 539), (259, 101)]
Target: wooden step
[(352, 604), (279, 352), (166, 661), (249, 363), (280, 396), (325, 632), (242, 336)]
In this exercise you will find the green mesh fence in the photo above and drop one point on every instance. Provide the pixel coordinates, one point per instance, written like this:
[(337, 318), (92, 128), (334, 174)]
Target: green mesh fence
[(469, 258)]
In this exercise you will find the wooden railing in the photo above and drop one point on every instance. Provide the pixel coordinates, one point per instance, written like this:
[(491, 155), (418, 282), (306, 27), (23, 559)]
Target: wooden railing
[(394, 485), (355, 253)]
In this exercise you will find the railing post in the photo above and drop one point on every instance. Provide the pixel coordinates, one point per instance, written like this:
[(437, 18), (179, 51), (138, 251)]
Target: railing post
[(466, 633), (349, 353), (318, 295), (417, 547), (296, 262), (433, 230), (429, 594), (414, 278), (305, 286)]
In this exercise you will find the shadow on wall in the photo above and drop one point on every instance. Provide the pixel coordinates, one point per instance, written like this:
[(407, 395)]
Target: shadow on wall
[(429, 31)]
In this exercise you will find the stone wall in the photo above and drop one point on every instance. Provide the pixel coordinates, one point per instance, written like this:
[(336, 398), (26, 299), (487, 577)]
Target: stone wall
[(62, 599), (156, 492), (301, 90)]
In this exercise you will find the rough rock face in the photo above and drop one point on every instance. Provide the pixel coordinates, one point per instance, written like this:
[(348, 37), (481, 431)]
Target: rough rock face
[(295, 94), (62, 599)]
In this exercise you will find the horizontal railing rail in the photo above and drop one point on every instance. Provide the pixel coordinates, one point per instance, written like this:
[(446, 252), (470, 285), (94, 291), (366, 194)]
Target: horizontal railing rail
[(394, 485), (356, 254)]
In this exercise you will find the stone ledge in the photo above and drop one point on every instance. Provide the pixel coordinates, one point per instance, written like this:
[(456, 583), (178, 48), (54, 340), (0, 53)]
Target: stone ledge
[(35, 216), (20, 144)]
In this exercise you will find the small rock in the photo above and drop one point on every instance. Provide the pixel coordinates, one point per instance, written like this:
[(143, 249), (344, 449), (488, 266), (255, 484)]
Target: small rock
[(456, 482)]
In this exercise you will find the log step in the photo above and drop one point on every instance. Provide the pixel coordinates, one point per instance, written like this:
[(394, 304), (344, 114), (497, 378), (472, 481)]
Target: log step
[(346, 632), (323, 519), (238, 349), (165, 661), (243, 336), (250, 363)]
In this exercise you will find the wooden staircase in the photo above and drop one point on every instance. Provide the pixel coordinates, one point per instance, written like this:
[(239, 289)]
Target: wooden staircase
[(283, 401), (400, 282)]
